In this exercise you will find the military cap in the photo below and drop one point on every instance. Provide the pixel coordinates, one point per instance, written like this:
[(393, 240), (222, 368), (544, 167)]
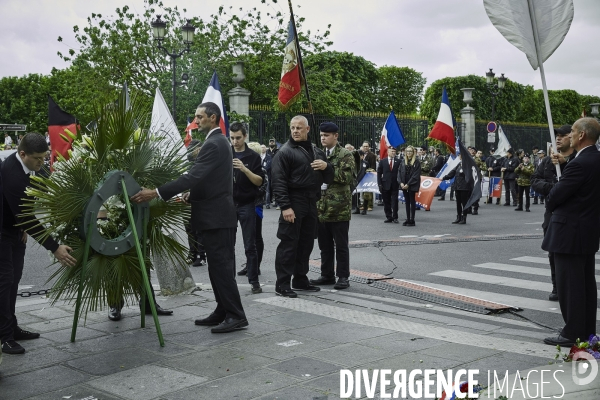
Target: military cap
[(563, 130), (329, 127)]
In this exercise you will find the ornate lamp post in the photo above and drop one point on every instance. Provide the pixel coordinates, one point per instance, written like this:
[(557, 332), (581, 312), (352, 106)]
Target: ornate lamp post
[(159, 28), (494, 88), (595, 109)]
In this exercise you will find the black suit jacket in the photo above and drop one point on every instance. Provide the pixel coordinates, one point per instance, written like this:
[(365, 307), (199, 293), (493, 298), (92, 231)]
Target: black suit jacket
[(211, 182), (387, 178), (575, 223), (15, 181)]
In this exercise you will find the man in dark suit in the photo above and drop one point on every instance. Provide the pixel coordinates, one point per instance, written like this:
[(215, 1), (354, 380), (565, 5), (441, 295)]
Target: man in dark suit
[(574, 232), (387, 173), (213, 213), (16, 170)]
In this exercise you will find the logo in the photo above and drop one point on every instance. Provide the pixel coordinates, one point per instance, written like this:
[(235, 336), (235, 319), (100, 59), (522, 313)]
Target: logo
[(581, 368), (426, 184)]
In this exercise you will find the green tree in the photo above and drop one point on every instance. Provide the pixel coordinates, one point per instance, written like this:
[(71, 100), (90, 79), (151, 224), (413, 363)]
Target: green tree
[(399, 87)]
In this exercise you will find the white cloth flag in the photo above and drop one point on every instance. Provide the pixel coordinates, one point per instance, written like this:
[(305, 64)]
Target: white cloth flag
[(162, 124), (511, 18), (503, 143)]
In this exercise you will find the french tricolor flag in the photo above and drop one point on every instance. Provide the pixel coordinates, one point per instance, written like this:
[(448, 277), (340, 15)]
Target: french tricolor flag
[(213, 94), (391, 135), (443, 130)]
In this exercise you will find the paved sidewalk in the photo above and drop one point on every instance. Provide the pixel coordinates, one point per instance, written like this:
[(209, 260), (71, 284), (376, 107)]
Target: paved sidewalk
[(293, 348)]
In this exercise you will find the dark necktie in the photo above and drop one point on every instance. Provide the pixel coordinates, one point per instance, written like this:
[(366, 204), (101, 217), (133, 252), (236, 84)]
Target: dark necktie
[(391, 164), (328, 152)]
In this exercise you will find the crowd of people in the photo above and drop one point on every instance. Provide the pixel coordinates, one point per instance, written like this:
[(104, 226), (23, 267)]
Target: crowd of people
[(313, 187)]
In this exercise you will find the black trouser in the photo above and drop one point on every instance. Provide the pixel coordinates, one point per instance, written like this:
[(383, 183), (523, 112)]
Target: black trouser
[(355, 200), (462, 196), (577, 294), (297, 240), (194, 242), (333, 243), (12, 257), (524, 189), (390, 203), (550, 255), (220, 255), (510, 187), (246, 215), (410, 204), (260, 243)]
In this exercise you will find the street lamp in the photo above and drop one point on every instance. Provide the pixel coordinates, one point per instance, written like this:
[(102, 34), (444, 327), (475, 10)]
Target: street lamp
[(159, 30), (494, 88), (595, 109)]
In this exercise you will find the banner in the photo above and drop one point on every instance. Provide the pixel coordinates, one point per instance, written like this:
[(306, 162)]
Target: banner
[(427, 191), (368, 184), (495, 188)]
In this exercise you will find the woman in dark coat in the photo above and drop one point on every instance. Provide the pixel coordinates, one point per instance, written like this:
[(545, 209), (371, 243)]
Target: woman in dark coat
[(409, 178), (463, 190)]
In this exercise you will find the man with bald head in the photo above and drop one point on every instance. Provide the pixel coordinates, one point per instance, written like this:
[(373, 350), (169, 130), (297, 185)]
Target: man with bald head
[(574, 233), (299, 169)]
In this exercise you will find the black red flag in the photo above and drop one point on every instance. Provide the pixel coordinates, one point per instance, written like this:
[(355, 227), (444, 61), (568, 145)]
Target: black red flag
[(58, 122)]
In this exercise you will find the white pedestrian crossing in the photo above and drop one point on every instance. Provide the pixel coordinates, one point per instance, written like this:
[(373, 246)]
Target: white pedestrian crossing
[(540, 260), (520, 269), (495, 280)]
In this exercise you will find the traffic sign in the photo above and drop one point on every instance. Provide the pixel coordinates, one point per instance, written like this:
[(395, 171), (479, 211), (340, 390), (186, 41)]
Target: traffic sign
[(492, 126), (12, 128)]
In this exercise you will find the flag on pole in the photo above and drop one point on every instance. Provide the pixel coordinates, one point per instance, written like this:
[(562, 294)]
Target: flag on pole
[(58, 122), (495, 188), (452, 162), (391, 135), (290, 85), (583, 112), (472, 173), (503, 144), (213, 94), (444, 127), (426, 191), (162, 124), (188, 132)]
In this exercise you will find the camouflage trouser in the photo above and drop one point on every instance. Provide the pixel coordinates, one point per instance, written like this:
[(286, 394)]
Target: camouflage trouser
[(367, 200)]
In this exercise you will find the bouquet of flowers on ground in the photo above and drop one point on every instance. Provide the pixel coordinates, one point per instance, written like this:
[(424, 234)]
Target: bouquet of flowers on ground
[(592, 346)]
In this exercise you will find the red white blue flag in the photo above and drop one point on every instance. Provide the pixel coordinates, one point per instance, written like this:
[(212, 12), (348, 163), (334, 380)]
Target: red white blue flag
[(495, 188), (213, 94), (290, 86), (444, 127), (391, 135)]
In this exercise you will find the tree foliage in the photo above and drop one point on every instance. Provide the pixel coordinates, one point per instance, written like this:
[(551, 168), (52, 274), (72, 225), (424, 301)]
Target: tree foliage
[(399, 87)]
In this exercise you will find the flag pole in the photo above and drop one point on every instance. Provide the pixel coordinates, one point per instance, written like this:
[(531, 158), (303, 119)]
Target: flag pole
[(538, 49), (303, 73)]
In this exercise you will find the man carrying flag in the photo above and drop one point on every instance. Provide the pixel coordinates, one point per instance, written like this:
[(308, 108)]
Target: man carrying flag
[(468, 187), (444, 127)]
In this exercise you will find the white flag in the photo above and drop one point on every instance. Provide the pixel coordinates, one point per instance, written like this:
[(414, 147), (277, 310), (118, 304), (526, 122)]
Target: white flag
[(162, 124), (512, 19), (503, 144)]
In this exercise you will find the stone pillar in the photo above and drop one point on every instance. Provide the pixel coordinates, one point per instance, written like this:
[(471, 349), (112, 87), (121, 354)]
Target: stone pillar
[(239, 98), (467, 115)]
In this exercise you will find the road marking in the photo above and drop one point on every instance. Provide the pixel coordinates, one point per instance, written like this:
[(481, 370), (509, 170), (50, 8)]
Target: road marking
[(519, 269), (541, 260), (495, 280), (533, 223), (21, 287), (414, 328)]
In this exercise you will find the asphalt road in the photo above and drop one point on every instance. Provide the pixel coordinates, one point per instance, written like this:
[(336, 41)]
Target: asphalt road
[(448, 264)]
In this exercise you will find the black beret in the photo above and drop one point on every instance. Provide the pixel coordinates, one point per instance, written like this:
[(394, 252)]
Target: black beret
[(329, 127)]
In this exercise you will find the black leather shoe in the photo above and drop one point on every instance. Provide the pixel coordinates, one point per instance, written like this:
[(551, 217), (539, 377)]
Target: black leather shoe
[(342, 283), (286, 293), (441, 199), (559, 341), (12, 347), (114, 314), (363, 212), (159, 310), (411, 223), (405, 223), (475, 211), (553, 296), (199, 262), (506, 204), (268, 207), (211, 320), (388, 220), (519, 209), (230, 325), (357, 211), (244, 271), (323, 280), (20, 334), (527, 210), (256, 289), (307, 288), (396, 221)]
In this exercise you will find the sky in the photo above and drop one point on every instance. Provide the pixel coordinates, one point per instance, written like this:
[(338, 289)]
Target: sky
[(439, 38)]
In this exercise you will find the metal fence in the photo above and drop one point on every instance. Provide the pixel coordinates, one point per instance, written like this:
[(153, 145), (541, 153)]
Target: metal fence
[(353, 129), (519, 136)]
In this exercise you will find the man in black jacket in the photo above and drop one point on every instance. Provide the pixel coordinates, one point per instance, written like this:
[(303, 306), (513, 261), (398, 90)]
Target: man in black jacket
[(574, 232), (510, 176), (248, 176), (387, 180), (543, 180), (213, 213), (299, 170), (16, 170)]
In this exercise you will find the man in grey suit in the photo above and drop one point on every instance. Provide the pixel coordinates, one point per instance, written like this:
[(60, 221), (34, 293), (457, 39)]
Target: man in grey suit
[(210, 181), (573, 234)]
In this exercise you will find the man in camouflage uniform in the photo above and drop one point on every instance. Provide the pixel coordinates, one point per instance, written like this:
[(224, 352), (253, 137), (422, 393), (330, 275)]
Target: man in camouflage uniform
[(334, 209), (426, 162)]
